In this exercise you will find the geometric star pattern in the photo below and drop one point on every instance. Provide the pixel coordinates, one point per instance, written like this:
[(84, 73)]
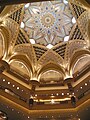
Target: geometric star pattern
[(48, 22)]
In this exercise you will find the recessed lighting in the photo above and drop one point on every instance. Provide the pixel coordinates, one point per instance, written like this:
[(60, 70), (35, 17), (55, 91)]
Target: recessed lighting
[(49, 46), (3, 80), (12, 109), (73, 93), (35, 95), (17, 88), (32, 41), (85, 84), (13, 85), (4, 117), (27, 5), (73, 20), (66, 38), (28, 117), (67, 93), (81, 87), (22, 25), (65, 1), (57, 94), (62, 93), (8, 83)]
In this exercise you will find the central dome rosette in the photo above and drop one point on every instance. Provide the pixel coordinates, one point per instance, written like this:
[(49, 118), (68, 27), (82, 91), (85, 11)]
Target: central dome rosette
[(48, 22)]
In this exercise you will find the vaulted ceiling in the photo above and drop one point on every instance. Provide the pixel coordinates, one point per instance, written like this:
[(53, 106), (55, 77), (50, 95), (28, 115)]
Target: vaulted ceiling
[(45, 55)]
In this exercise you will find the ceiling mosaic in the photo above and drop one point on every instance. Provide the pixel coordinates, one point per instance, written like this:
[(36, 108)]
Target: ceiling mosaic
[(48, 23)]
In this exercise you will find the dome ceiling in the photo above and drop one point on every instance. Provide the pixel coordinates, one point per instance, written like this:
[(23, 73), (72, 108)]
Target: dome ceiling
[(48, 23), (28, 69)]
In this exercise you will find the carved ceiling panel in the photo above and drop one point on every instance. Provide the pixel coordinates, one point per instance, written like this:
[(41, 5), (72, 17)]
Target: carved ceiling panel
[(49, 22), (47, 32), (28, 50)]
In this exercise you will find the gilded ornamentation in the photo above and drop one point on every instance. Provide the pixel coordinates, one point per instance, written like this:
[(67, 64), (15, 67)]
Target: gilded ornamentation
[(28, 50), (72, 46), (48, 20), (50, 56)]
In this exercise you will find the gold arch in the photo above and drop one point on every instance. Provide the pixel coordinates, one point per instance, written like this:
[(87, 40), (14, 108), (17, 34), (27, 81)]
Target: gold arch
[(51, 66), (23, 58), (6, 34), (77, 54)]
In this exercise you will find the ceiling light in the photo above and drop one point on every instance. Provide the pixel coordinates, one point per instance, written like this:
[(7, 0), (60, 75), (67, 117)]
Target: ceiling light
[(17, 88), (3, 80), (49, 46), (81, 87), (13, 85), (28, 117), (12, 109), (8, 83), (85, 84), (73, 93), (65, 1), (6, 90), (22, 90), (36, 95), (52, 101), (73, 20), (32, 41), (57, 94), (22, 25), (4, 117), (67, 93), (66, 38), (27, 5), (62, 93)]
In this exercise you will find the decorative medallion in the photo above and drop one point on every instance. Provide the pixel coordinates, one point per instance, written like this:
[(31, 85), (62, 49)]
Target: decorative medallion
[(48, 22)]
